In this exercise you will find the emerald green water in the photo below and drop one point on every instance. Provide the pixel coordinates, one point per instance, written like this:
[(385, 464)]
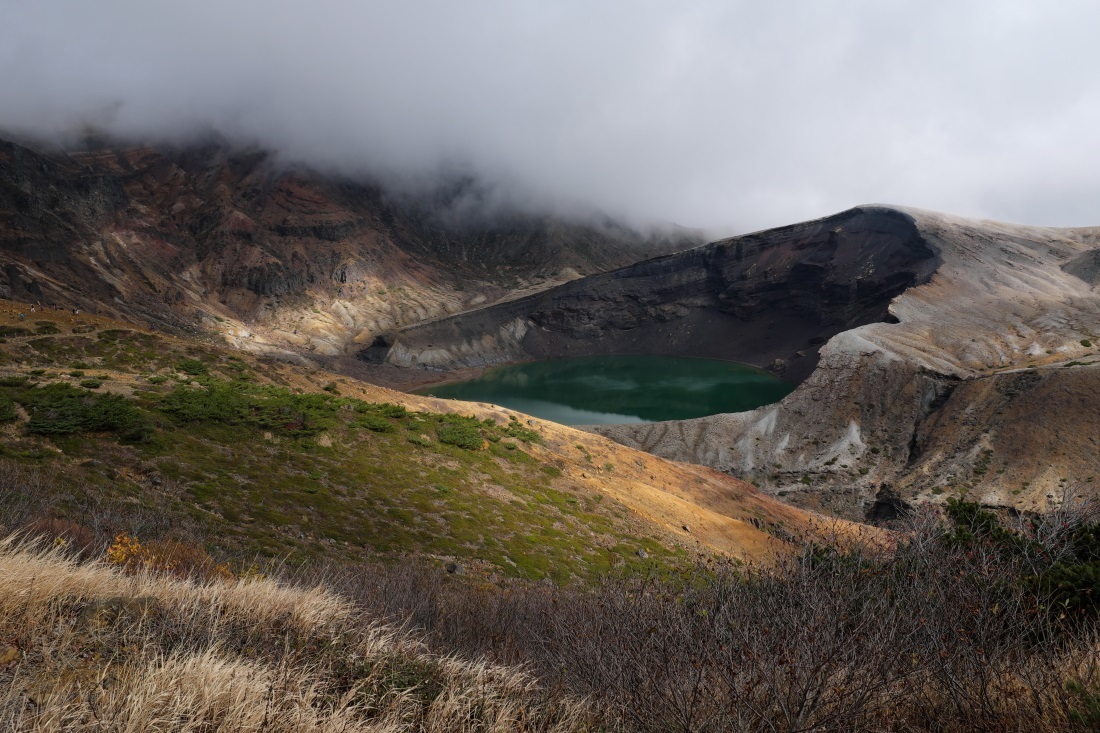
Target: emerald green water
[(593, 390)]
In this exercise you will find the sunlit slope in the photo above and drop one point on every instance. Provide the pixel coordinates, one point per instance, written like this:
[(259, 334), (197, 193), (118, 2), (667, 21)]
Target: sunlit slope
[(258, 456)]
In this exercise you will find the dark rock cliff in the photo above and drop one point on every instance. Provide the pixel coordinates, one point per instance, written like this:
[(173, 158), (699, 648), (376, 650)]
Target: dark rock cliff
[(769, 299)]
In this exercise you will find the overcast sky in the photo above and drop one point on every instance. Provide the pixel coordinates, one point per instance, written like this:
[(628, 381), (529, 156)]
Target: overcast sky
[(728, 115)]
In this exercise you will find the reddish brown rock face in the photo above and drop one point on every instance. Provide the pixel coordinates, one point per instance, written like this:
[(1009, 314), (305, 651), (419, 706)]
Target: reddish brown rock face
[(205, 240)]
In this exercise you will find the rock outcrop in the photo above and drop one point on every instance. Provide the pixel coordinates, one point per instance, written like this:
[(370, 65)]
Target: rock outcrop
[(769, 299), (273, 259)]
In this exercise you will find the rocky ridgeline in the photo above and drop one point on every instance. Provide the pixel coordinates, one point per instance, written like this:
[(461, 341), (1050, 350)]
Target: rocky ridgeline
[(935, 356), (769, 299), (211, 240)]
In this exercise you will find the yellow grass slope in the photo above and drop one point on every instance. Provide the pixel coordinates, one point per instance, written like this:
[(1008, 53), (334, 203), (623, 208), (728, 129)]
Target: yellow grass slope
[(85, 647)]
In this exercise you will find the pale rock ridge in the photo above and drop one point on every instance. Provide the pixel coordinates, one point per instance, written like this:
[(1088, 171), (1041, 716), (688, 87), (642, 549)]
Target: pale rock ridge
[(944, 398)]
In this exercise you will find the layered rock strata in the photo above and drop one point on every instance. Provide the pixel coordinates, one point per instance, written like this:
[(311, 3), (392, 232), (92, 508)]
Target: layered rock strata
[(769, 299)]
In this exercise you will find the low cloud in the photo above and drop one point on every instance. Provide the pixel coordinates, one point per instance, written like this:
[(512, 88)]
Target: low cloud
[(727, 115)]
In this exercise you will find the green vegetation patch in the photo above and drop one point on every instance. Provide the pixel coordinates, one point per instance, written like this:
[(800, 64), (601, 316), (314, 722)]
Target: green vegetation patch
[(60, 409), (242, 403), (516, 430), (7, 409), (465, 432), (193, 367), (265, 470)]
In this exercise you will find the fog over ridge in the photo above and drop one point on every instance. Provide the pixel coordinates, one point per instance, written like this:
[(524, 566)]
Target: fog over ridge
[(726, 115)]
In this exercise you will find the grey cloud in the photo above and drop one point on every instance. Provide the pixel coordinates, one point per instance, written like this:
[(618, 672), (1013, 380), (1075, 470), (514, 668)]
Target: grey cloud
[(729, 115)]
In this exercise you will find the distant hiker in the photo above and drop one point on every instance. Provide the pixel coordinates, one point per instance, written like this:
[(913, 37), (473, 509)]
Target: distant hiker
[(22, 316)]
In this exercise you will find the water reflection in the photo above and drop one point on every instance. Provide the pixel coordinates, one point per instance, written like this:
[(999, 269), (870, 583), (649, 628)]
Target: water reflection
[(621, 389)]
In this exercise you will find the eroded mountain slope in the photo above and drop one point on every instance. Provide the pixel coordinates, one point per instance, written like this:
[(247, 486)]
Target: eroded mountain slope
[(274, 259)]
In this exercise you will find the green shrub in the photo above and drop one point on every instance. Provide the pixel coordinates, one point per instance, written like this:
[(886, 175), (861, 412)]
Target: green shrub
[(461, 431), (92, 383), (1086, 712), (275, 408), (1086, 343), (157, 379), (240, 403), (1070, 586), (219, 403), (391, 410), (193, 367), (516, 430), (7, 409), (13, 381), (377, 423), (60, 409)]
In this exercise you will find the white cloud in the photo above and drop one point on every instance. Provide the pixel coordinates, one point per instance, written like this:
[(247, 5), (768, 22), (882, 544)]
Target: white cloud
[(737, 115)]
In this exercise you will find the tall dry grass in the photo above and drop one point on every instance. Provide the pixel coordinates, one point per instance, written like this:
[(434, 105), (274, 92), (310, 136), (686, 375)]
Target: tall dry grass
[(100, 650)]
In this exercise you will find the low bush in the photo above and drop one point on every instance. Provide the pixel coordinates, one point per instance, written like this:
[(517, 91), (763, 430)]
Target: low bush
[(164, 557), (946, 631), (7, 409), (516, 430), (193, 367), (463, 432), (60, 409), (376, 423), (241, 403), (63, 534), (385, 409), (220, 402)]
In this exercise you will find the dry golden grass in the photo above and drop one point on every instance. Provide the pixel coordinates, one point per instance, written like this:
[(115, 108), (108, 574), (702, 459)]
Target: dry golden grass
[(95, 649)]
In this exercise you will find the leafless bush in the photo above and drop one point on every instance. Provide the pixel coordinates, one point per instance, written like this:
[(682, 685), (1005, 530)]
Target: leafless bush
[(934, 636)]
